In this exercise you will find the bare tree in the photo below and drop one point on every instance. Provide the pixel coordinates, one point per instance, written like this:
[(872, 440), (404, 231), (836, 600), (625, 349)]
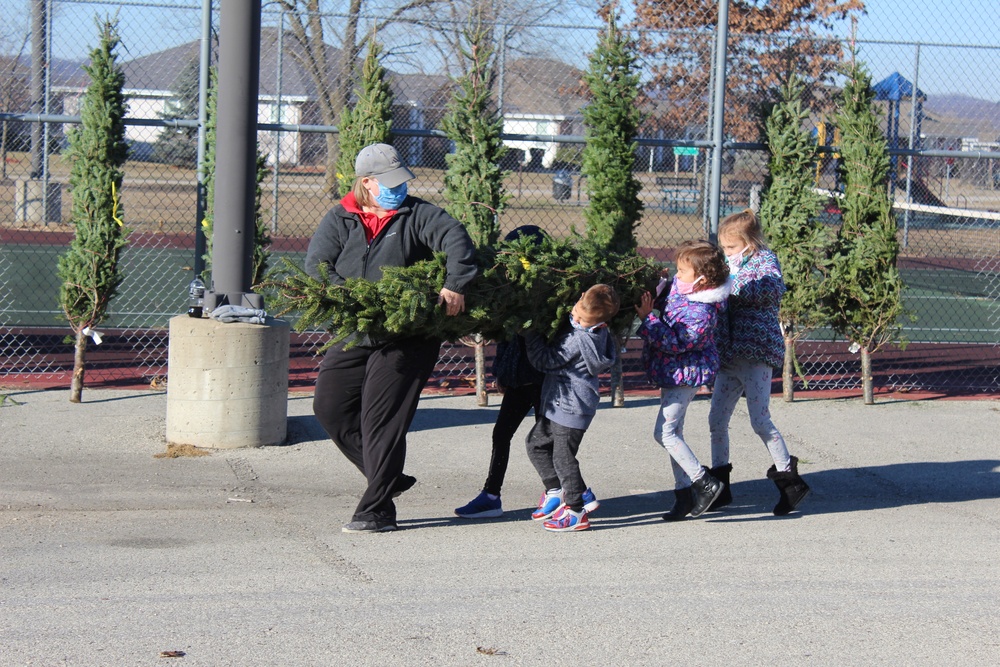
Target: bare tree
[(767, 39), (13, 89), (329, 39), (333, 70)]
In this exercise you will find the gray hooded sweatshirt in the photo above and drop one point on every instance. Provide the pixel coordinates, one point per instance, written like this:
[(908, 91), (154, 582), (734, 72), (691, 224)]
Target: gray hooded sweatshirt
[(572, 364)]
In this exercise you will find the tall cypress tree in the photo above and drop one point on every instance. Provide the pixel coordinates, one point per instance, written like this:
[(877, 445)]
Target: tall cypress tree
[(369, 121), (262, 237), (611, 122), (789, 214), (179, 146), (89, 270), (473, 182), (864, 288), (611, 125)]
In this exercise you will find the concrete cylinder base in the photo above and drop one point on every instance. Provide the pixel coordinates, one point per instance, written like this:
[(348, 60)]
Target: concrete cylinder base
[(227, 384)]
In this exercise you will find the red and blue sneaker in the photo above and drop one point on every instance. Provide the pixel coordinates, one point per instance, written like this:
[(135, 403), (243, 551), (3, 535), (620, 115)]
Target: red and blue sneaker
[(590, 501), (549, 503), (566, 520)]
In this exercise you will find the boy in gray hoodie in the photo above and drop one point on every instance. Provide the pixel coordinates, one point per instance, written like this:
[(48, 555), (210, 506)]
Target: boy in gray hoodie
[(570, 395)]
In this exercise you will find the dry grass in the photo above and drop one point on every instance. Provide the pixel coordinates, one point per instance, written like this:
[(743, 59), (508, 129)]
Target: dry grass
[(180, 451), (160, 198)]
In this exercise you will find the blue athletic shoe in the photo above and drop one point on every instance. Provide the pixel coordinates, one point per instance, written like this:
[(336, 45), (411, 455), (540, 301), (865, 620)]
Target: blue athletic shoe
[(481, 507), (548, 504), (590, 501)]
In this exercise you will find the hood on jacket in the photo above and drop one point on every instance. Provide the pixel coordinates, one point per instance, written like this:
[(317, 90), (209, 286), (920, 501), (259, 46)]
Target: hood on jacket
[(599, 356), (714, 295)]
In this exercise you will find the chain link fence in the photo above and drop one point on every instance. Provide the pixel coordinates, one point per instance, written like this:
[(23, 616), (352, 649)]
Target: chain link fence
[(937, 96)]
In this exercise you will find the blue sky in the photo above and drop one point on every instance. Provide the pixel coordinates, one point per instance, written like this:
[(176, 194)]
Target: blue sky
[(971, 71)]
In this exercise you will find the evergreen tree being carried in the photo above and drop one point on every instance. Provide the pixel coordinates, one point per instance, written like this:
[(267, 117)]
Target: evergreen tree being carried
[(369, 121), (611, 123), (864, 288), (89, 272), (473, 182), (262, 237), (789, 216)]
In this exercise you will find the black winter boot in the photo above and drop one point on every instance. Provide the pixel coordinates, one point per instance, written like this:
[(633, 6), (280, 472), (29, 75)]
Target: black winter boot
[(791, 488), (683, 503), (705, 491), (721, 473)]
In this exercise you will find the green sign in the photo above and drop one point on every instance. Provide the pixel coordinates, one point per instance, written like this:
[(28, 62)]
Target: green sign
[(685, 150)]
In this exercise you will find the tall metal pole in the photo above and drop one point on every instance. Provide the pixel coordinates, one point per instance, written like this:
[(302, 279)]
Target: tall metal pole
[(236, 154), (39, 22), (201, 202), (277, 133), (502, 70), (46, 95), (706, 222), (718, 117)]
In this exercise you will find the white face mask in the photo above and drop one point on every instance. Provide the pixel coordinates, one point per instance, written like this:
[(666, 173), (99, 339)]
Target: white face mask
[(737, 260)]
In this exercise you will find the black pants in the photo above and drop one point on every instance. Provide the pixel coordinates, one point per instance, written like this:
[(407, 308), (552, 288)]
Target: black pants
[(514, 407), (365, 400), (552, 449)]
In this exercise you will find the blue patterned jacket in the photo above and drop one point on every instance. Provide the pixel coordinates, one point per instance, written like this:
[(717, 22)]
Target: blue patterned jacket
[(679, 345), (748, 326)]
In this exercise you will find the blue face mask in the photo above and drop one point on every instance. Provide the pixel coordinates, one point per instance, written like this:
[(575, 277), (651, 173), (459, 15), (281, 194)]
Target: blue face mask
[(391, 198)]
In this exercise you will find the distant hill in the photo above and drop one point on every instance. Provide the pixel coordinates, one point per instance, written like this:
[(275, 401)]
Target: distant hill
[(964, 107), (62, 72)]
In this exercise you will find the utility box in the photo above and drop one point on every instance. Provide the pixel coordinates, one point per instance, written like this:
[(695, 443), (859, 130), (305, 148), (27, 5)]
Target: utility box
[(562, 185)]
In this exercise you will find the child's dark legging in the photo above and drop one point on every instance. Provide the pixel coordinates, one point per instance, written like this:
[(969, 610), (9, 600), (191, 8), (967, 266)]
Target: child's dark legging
[(517, 401)]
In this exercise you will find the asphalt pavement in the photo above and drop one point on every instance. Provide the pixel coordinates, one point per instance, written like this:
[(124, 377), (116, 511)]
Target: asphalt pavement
[(110, 555)]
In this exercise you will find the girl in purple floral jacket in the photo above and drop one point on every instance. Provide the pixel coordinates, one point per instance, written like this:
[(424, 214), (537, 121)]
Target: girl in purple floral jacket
[(750, 347), (680, 355)]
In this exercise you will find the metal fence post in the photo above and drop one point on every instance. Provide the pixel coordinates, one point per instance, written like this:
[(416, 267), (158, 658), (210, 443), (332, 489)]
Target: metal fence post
[(718, 117), (910, 158), (39, 25)]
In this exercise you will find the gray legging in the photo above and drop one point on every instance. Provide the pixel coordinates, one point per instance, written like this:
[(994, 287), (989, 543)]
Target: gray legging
[(669, 432), (753, 378)]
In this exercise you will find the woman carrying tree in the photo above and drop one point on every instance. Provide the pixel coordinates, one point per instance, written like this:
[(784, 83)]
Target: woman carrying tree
[(367, 390), (750, 347)]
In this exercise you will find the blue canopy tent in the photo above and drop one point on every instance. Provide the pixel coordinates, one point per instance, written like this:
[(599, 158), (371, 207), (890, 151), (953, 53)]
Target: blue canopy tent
[(893, 89)]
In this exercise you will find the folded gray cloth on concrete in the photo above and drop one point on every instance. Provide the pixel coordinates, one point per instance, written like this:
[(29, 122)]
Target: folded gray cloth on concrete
[(229, 313)]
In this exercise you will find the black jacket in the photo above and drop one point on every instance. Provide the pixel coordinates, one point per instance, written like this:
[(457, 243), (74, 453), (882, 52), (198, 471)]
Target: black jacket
[(415, 232)]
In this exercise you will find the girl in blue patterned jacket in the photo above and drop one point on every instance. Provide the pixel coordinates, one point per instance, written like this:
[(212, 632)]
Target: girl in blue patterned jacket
[(680, 355), (750, 346)]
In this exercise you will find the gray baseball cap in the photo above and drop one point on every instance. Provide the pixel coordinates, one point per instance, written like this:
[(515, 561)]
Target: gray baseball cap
[(382, 162)]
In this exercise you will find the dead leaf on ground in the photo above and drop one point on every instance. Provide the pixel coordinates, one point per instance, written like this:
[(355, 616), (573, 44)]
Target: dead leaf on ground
[(177, 451), (172, 654)]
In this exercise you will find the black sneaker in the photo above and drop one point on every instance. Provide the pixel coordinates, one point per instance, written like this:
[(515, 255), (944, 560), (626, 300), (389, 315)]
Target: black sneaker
[(380, 526), (403, 483)]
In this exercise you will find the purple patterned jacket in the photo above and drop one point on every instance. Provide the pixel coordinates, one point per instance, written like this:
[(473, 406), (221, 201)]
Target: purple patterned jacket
[(679, 346), (748, 327)]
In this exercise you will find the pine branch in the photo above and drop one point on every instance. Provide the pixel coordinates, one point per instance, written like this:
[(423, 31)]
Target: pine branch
[(521, 286)]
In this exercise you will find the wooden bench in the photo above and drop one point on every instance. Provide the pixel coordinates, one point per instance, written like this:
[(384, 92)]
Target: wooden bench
[(677, 198), (677, 182)]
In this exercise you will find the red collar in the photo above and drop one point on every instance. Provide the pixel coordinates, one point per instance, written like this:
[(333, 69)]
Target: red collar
[(372, 222)]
